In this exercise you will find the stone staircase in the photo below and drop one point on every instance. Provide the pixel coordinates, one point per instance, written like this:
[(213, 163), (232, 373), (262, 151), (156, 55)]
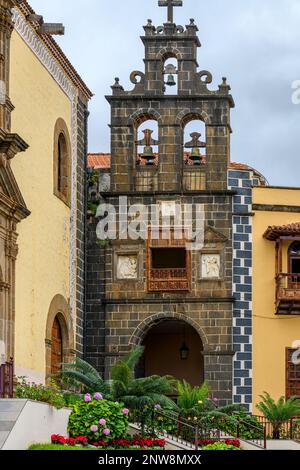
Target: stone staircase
[(10, 410)]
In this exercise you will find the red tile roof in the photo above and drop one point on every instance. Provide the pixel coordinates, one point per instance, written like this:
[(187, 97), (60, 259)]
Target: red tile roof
[(273, 232), (99, 161), (103, 161)]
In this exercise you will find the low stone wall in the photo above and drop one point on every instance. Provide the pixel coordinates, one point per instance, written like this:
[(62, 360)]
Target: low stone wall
[(26, 422)]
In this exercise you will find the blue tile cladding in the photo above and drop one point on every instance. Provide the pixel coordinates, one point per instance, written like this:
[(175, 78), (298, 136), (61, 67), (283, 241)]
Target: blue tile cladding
[(241, 182)]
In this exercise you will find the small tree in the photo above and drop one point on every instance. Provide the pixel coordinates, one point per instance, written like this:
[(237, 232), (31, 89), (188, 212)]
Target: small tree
[(280, 412)]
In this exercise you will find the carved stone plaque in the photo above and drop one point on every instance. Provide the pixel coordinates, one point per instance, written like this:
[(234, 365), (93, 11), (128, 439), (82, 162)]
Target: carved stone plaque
[(127, 267), (210, 266)]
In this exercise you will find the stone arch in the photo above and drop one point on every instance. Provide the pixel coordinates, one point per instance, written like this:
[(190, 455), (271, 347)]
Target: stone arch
[(168, 53), (62, 161), (144, 114), (145, 326), (59, 309), (185, 116)]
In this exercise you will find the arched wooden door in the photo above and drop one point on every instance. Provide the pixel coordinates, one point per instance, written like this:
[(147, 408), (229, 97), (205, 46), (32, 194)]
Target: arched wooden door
[(56, 347)]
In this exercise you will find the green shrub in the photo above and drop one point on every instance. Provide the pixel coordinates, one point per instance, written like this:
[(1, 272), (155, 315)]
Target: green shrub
[(52, 395), (220, 446), (86, 415)]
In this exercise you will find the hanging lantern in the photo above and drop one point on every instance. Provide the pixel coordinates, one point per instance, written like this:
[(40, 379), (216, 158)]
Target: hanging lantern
[(184, 352)]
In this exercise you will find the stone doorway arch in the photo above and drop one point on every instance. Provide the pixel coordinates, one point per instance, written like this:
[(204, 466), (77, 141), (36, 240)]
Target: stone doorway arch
[(163, 339), (59, 339)]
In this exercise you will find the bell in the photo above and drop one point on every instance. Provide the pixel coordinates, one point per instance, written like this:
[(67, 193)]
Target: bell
[(171, 80), (195, 156), (148, 155)]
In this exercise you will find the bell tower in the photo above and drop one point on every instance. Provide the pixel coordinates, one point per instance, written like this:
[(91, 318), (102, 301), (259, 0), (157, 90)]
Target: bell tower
[(149, 101), (170, 145)]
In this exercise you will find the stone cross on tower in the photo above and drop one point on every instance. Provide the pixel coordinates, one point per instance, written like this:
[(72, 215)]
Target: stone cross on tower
[(170, 4)]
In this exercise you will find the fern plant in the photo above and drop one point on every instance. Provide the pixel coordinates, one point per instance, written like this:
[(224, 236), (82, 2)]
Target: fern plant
[(278, 412), (192, 400)]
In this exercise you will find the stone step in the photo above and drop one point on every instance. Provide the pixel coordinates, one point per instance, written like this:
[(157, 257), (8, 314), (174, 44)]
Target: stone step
[(9, 415), (6, 425), (7, 405)]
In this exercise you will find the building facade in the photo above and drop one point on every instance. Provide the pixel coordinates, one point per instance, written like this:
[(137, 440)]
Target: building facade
[(50, 113), (276, 292), (176, 302)]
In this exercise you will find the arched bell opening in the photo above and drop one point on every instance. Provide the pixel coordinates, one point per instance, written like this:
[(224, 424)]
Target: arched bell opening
[(147, 143), (170, 74), (194, 143)]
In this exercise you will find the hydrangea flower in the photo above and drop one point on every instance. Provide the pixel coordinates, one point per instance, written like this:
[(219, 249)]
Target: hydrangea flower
[(102, 422), (157, 406), (87, 398), (125, 411), (94, 428), (98, 396), (106, 432)]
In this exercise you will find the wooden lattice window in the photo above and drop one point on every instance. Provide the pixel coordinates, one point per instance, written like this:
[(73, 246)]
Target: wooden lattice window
[(292, 374)]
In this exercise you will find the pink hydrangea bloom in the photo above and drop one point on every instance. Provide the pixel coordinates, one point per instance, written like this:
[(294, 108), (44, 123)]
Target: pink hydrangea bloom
[(87, 398), (98, 396), (125, 411), (102, 422), (106, 432), (94, 428)]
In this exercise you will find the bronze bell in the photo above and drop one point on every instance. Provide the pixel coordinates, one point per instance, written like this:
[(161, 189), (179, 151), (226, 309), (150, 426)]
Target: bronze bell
[(195, 156), (171, 80), (148, 155)]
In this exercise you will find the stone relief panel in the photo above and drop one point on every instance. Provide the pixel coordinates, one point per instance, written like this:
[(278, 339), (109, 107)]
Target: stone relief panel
[(210, 266), (127, 267)]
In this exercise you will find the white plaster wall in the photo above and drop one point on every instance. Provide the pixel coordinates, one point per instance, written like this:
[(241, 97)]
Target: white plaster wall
[(36, 423)]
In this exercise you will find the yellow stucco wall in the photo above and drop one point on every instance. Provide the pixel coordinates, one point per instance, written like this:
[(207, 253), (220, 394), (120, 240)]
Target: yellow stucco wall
[(43, 262), (271, 333)]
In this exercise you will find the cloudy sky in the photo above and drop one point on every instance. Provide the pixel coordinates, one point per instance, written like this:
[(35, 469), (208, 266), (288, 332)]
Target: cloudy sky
[(254, 43)]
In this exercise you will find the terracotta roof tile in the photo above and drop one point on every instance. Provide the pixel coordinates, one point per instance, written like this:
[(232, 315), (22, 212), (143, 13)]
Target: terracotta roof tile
[(273, 232), (103, 160), (99, 160)]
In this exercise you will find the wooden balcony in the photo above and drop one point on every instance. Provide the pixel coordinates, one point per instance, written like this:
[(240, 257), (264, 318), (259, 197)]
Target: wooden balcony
[(288, 294), (168, 280)]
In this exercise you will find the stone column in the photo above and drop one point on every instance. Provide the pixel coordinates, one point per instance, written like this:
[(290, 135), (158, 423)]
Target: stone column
[(6, 28)]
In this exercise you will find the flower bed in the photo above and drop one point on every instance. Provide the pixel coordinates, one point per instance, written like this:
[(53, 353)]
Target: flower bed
[(220, 446), (135, 442), (98, 419)]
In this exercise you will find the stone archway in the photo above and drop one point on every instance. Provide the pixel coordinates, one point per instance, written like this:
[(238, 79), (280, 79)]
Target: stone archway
[(58, 330), (163, 339)]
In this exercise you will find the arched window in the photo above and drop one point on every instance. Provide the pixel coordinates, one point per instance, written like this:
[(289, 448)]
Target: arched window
[(62, 162), (57, 353), (147, 143), (194, 143), (294, 258)]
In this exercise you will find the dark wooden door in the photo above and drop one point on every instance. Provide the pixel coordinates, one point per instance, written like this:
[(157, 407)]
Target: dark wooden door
[(56, 348)]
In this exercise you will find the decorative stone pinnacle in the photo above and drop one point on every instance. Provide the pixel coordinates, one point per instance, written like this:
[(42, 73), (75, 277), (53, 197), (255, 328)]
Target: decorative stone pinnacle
[(170, 4), (192, 21)]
